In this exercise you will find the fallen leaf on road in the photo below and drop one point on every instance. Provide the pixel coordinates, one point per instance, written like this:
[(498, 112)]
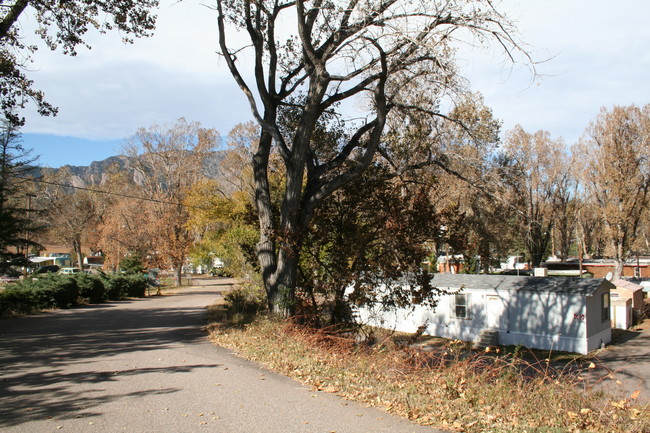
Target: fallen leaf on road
[(635, 394)]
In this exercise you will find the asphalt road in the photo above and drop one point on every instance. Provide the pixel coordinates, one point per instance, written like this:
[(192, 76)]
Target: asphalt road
[(623, 369), (146, 366)]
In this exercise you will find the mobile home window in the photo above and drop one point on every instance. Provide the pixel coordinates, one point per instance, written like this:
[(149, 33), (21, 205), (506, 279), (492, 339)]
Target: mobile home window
[(605, 303), (459, 308)]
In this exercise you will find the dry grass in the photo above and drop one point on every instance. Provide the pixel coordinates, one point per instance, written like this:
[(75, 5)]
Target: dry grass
[(448, 387)]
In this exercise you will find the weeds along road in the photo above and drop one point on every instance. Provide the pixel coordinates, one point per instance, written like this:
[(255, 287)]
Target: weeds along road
[(146, 366)]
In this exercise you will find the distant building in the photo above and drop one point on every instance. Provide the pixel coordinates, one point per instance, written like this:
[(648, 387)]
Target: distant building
[(94, 262), (58, 259), (632, 268)]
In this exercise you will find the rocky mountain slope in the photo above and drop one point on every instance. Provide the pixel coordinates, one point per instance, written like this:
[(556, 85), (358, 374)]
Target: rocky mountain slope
[(94, 173)]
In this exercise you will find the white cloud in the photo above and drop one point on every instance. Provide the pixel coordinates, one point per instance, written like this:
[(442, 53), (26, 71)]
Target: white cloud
[(597, 55), (111, 90)]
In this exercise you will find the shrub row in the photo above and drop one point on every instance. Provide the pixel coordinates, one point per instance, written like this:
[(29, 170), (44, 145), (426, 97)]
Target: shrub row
[(66, 291)]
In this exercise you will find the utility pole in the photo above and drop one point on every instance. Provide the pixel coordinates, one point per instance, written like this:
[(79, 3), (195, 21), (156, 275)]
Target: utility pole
[(29, 220)]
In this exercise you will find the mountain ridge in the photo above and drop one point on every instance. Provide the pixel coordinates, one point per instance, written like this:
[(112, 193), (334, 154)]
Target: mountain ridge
[(93, 174)]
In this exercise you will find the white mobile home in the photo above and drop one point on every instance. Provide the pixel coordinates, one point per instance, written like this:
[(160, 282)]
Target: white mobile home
[(559, 313)]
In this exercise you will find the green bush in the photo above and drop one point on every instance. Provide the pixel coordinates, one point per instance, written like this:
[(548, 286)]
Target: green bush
[(247, 301), (16, 300), (116, 287), (64, 291), (46, 292), (91, 288), (132, 264), (54, 291), (120, 286), (65, 294), (137, 285)]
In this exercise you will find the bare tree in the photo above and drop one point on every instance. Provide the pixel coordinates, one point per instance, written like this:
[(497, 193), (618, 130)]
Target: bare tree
[(590, 227), (475, 217), (539, 185), (167, 162), (125, 225), (313, 61), (615, 151), (71, 213)]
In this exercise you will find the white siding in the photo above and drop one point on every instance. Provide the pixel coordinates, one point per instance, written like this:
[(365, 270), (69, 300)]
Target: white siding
[(544, 320)]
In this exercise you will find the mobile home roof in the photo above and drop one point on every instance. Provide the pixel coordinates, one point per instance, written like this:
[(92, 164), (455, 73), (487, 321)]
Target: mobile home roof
[(584, 286)]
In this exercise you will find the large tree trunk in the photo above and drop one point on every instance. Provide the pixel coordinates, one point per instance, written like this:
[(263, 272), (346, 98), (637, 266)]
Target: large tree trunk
[(618, 269), (280, 270), (178, 272), (279, 261), (76, 246), (537, 243), (619, 261), (484, 254), (266, 245)]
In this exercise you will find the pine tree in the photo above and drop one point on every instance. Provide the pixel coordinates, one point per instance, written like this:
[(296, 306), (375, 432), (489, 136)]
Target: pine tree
[(16, 226)]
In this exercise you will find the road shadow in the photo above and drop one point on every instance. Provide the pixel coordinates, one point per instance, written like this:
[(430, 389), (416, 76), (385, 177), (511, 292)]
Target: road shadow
[(624, 367), (51, 394), (36, 352), (620, 336)]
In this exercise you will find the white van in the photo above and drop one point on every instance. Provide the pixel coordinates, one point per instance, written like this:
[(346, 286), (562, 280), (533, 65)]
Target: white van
[(70, 271)]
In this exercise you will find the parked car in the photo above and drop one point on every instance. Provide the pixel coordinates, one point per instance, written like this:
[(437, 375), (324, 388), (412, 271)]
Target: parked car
[(219, 271), (48, 268), (70, 271)]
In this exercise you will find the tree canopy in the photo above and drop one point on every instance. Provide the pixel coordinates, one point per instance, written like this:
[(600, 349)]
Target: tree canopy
[(168, 161), (314, 63), (615, 154)]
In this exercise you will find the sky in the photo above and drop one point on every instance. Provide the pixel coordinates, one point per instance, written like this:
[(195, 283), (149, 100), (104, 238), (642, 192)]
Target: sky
[(589, 53)]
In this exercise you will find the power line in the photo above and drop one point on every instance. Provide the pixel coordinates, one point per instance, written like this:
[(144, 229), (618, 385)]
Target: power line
[(117, 194)]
